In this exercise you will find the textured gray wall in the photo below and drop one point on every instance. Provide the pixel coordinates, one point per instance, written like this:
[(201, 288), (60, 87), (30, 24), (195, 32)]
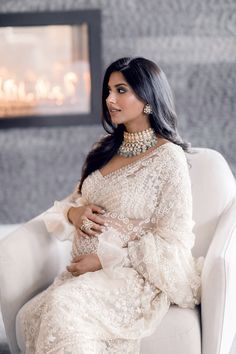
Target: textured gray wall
[(195, 44)]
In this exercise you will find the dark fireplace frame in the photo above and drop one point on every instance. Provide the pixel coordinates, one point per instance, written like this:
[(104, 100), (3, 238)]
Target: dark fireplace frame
[(93, 19)]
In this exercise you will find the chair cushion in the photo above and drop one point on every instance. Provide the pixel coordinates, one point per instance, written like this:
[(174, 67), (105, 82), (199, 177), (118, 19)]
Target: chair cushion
[(178, 333)]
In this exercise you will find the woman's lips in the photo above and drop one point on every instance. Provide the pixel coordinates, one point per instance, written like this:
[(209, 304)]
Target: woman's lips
[(114, 111)]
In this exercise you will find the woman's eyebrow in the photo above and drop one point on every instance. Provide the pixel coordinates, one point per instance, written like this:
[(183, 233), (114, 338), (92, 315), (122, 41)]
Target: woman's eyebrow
[(120, 84)]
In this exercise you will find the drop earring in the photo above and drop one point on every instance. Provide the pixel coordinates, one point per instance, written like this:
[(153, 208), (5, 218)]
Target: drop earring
[(147, 109)]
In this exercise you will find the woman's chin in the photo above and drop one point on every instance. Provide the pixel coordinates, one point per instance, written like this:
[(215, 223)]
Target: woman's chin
[(117, 120)]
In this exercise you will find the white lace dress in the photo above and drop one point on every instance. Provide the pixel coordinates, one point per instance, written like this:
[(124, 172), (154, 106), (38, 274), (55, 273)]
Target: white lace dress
[(146, 256)]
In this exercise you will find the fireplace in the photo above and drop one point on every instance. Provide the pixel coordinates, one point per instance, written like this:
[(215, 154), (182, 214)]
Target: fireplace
[(50, 68)]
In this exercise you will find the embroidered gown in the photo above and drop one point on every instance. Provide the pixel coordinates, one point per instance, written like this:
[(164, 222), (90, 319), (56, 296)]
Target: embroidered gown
[(145, 252)]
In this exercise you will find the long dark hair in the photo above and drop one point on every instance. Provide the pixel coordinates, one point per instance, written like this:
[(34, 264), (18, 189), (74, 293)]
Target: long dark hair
[(150, 85)]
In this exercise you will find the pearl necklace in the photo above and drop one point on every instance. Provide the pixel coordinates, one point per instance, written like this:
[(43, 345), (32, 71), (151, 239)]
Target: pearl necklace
[(136, 143)]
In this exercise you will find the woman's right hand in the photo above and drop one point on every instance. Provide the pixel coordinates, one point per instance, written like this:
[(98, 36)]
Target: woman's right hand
[(88, 214)]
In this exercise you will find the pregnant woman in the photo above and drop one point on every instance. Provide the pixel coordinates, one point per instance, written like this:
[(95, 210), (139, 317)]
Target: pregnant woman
[(130, 222)]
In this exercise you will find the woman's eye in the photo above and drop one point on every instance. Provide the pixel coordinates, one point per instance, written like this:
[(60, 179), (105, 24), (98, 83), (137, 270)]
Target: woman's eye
[(121, 90)]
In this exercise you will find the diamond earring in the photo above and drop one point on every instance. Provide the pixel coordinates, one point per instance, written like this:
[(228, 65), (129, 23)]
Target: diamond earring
[(147, 109)]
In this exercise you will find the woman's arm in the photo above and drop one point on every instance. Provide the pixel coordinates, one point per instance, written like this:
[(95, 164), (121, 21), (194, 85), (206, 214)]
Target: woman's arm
[(163, 255)]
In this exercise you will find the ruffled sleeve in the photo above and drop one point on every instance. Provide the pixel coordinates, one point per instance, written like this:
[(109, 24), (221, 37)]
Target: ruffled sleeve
[(56, 220), (111, 252), (161, 252)]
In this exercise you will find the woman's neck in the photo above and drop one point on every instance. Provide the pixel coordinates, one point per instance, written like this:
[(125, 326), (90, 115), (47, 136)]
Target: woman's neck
[(138, 125)]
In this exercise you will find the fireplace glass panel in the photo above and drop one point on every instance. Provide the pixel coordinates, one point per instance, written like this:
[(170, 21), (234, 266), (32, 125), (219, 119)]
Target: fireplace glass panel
[(44, 70)]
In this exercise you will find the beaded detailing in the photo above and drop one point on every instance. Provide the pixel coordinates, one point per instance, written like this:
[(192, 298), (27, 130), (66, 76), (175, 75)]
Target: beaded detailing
[(137, 142)]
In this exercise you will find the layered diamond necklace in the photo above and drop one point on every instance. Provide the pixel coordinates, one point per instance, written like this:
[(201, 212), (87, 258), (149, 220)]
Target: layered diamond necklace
[(136, 143)]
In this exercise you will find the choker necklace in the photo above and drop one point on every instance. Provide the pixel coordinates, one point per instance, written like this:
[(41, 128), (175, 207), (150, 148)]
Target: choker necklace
[(136, 143)]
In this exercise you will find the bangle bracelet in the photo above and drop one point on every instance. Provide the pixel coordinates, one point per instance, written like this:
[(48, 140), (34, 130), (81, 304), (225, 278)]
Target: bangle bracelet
[(68, 218)]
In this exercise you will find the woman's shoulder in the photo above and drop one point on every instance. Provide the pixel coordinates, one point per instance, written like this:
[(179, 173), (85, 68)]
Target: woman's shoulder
[(170, 159), (170, 152)]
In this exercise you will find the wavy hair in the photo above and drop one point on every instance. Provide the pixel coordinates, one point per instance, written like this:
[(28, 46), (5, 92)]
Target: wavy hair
[(150, 85)]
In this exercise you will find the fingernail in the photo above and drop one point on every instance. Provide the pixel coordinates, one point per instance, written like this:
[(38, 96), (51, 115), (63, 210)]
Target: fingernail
[(106, 224), (103, 211)]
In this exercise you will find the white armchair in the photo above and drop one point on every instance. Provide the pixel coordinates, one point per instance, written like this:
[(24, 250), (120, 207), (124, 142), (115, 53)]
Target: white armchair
[(30, 259)]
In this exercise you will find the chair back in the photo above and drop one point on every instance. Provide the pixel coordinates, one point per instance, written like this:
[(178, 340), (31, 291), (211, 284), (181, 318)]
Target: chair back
[(213, 190)]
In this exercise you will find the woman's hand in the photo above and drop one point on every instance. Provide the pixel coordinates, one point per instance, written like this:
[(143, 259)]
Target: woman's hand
[(87, 219), (83, 264)]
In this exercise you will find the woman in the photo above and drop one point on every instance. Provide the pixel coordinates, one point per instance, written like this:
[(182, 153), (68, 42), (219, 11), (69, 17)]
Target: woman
[(130, 220)]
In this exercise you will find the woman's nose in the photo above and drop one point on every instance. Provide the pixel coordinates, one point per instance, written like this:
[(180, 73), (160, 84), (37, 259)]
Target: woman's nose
[(111, 98)]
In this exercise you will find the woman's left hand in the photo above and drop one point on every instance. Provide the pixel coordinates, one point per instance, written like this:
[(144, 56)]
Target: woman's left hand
[(83, 264)]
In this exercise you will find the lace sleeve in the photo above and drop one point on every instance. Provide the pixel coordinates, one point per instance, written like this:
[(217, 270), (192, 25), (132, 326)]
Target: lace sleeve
[(163, 254), (56, 220)]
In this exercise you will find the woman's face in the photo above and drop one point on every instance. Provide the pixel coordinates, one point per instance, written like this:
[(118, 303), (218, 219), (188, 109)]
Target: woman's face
[(124, 106)]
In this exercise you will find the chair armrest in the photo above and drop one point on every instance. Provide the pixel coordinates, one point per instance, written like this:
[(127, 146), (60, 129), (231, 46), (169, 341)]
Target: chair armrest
[(29, 261), (219, 287)]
